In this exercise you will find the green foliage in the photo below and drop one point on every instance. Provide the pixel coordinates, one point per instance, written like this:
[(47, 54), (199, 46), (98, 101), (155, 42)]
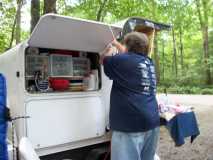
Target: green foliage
[(175, 89), (211, 49), (207, 91), (7, 12)]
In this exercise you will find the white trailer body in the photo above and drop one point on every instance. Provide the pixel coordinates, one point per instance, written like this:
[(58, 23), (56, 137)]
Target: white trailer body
[(59, 121)]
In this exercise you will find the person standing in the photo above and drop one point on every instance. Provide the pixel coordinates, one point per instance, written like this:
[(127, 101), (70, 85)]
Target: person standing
[(134, 117)]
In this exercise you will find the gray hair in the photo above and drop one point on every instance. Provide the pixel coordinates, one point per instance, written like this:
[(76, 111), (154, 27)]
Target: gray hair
[(137, 42)]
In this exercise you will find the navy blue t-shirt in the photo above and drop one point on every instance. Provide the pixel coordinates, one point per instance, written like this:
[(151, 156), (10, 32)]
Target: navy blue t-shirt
[(133, 105)]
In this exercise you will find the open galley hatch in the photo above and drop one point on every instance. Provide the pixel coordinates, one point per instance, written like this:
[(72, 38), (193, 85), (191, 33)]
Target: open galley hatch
[(63, 54), (53, 70)]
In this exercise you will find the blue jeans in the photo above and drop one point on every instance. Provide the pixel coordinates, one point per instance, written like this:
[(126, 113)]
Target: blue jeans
[(134, 146)]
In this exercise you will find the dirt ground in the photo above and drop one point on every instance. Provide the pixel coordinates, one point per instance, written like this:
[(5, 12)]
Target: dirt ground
[(201, 148)]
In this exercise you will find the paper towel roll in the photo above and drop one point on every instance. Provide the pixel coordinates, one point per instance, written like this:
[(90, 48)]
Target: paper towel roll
[(95, 73), (91, 84)]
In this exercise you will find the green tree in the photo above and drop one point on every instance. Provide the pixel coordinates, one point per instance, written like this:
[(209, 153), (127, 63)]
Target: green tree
[(35, 13), (204, 10), (7, 14), (49, 6)]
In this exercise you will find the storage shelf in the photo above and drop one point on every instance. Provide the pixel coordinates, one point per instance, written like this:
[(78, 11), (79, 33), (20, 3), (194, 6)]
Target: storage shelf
[(68, 77), (71, 77)]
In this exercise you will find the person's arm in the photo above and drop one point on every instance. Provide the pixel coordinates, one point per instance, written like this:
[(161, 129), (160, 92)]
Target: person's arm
[(107, 60), (107, 52), (110, 50), (121, 48)]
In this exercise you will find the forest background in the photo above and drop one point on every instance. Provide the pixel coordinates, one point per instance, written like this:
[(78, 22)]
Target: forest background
[(183, 56)]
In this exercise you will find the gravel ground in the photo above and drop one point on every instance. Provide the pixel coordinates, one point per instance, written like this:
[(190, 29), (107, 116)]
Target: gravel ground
[(202, 147)]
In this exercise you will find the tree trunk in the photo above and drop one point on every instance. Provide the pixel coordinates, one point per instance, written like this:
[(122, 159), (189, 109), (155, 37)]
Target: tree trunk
[(163, 60), (153, 8), (35, 13), (156, 58), (203, 8), (101, 9), (174, 53), (206, 54), (13, 32), (18, 21), (49, 6), (181, 50)]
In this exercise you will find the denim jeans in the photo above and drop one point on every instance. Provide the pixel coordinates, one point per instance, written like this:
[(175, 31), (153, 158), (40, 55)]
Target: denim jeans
[(134, 146)]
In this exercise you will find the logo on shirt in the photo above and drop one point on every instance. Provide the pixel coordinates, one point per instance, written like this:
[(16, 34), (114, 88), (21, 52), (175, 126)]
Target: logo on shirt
[(148, 77)]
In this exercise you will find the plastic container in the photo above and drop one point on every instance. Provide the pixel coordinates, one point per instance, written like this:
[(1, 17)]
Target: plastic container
[(35, 63), (81, 66), (60, 65)]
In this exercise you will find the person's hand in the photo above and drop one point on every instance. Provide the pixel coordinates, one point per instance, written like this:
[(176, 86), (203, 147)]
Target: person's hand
[(114, 42), (121, 48), (108, 51)]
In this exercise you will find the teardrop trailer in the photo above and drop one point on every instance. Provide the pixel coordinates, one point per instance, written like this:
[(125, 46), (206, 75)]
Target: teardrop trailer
[(55, 78)]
